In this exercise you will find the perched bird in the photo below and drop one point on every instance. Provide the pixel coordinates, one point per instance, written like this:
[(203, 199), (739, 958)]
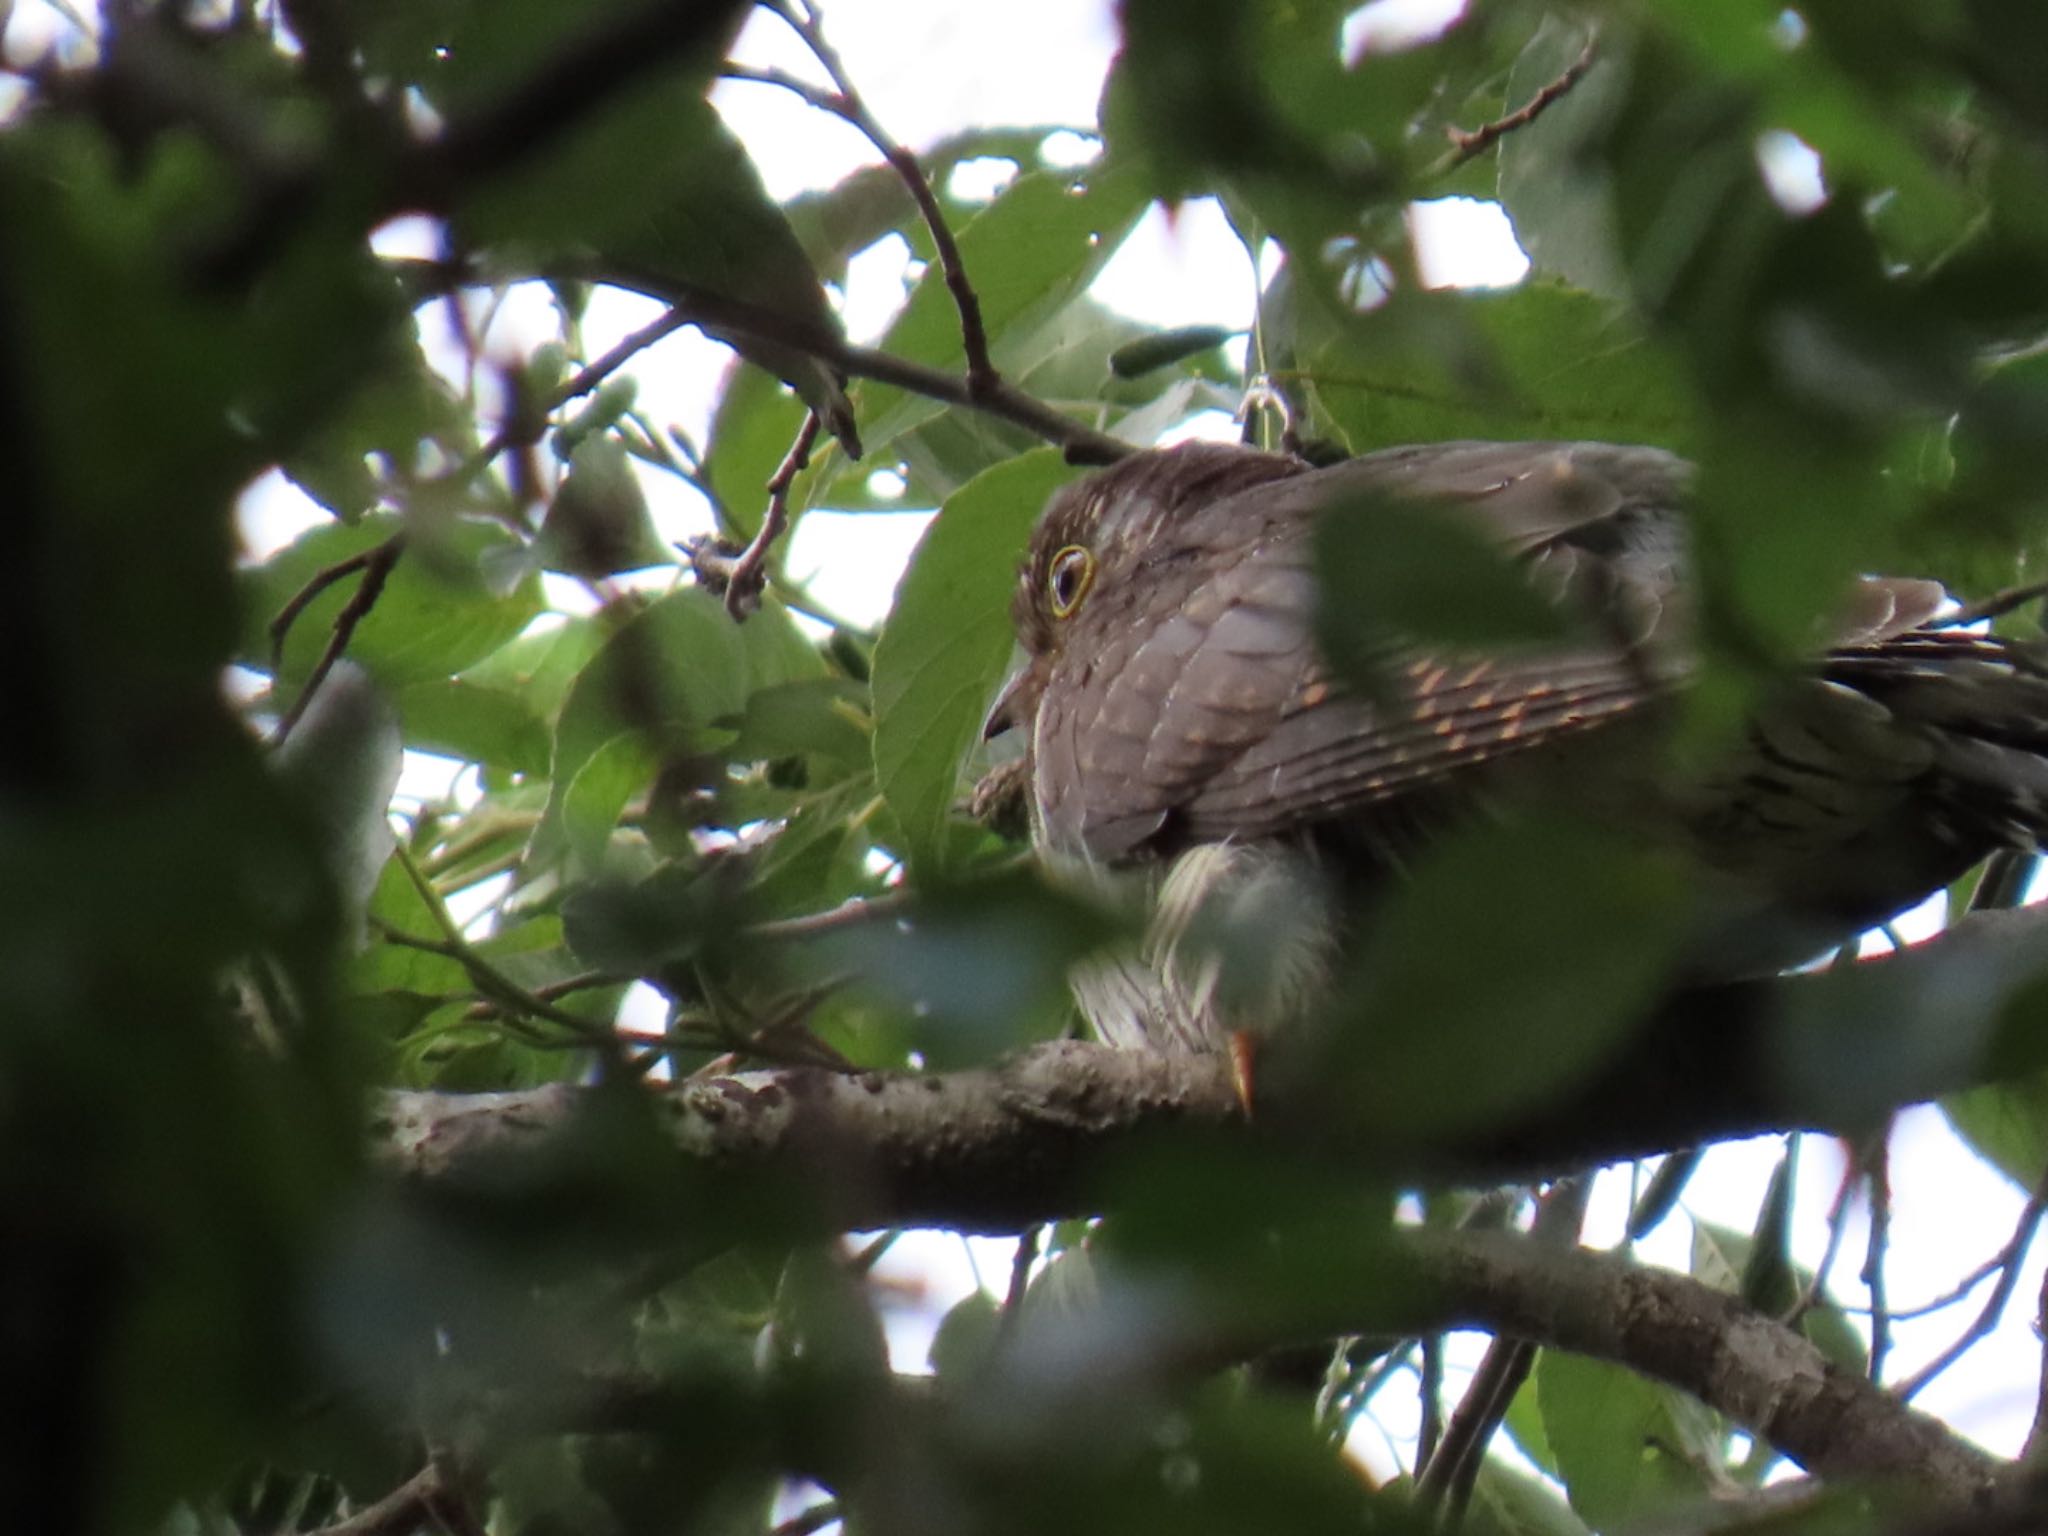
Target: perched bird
[(1182, 721)]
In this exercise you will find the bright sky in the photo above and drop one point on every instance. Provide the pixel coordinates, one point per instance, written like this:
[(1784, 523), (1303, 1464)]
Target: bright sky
[(931, 67)]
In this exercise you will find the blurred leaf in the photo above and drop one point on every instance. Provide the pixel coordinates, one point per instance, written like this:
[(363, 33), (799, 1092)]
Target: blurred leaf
[(341, 763), (1768, 1281), (1581, 931), (965, 1337), (404, 405), (1661, 1195), (977, 968), (947, 641), (1539, 361), (756, 421), (1392, 569), (657, 195), (1628, 1450), (598, 523)]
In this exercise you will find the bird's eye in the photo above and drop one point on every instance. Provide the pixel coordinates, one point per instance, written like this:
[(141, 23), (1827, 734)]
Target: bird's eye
[(1068, 579)]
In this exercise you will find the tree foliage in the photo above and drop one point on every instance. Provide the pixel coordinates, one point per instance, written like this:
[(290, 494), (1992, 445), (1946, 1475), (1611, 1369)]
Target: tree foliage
[(276, 1258)]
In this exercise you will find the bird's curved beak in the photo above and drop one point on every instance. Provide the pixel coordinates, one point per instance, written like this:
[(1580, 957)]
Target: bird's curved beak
[(1007, 711)]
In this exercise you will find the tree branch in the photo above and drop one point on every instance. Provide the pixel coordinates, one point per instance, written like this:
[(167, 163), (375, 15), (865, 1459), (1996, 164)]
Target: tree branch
[(1688, 1335), (994, 1149)]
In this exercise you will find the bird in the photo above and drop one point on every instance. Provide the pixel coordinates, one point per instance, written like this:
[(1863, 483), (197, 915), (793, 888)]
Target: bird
[(1185, 729)]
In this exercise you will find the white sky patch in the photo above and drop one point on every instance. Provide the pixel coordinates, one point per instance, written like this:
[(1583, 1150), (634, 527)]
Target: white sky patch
[(1181, 266), (1791, 170), (1462, 242), (847, 560)]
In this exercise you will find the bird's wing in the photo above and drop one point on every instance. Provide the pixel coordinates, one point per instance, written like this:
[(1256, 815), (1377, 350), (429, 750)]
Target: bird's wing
[(1211, 714)]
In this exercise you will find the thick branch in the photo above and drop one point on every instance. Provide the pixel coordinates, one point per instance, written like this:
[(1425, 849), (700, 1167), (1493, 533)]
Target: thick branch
[(998, 1148), (1748, 1366)]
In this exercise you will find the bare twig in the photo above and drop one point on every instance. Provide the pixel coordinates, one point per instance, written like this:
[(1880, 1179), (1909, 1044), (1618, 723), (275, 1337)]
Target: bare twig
[(2008, 1263), (804, 18), (816, 1518), (1028, 1242), (1992, 607), (1083, 445), (1430, 1389), (1469, 146), (1875, 1156), (281, 624), (2037, 1433), (429, 1498), (495, 986), (376, 565), (848, 914), (1838, 1223), (1447, 1478), (745, 577)]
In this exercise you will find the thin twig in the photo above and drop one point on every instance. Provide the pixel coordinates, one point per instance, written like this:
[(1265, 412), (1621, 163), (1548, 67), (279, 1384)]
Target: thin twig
[(526, 429), (1995, 606), (1021, 1261), (1083, 444), (428, 1498), (1469, 146), (590, 981), (2037, 1433), (745, 577), (376, 567), (1838, 1224), (871, 1255), (281, 624), (804, 18), (1431, 1392), (1446, 1480), (848, 914), (1875, 1157), (2009, 1261), (495, 986), (816, 1518)]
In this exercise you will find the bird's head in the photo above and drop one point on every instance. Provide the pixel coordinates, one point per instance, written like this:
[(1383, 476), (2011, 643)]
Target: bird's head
[(1096, 533)]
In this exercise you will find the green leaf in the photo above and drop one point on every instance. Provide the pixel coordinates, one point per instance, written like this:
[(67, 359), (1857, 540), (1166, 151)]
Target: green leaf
[(1033, 249), (457, 593), (1507, 1501), (1628, 1450), (1555, 192), (1540, 361), (947, 641), (674, 680), (460, 719), (2006, 1124)]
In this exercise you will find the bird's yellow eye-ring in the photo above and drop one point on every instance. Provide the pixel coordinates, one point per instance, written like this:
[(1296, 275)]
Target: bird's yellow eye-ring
[(1068, 578)]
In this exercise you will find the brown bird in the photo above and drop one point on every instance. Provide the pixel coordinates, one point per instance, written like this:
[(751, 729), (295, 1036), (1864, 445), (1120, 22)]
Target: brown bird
[(1182, 720)]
